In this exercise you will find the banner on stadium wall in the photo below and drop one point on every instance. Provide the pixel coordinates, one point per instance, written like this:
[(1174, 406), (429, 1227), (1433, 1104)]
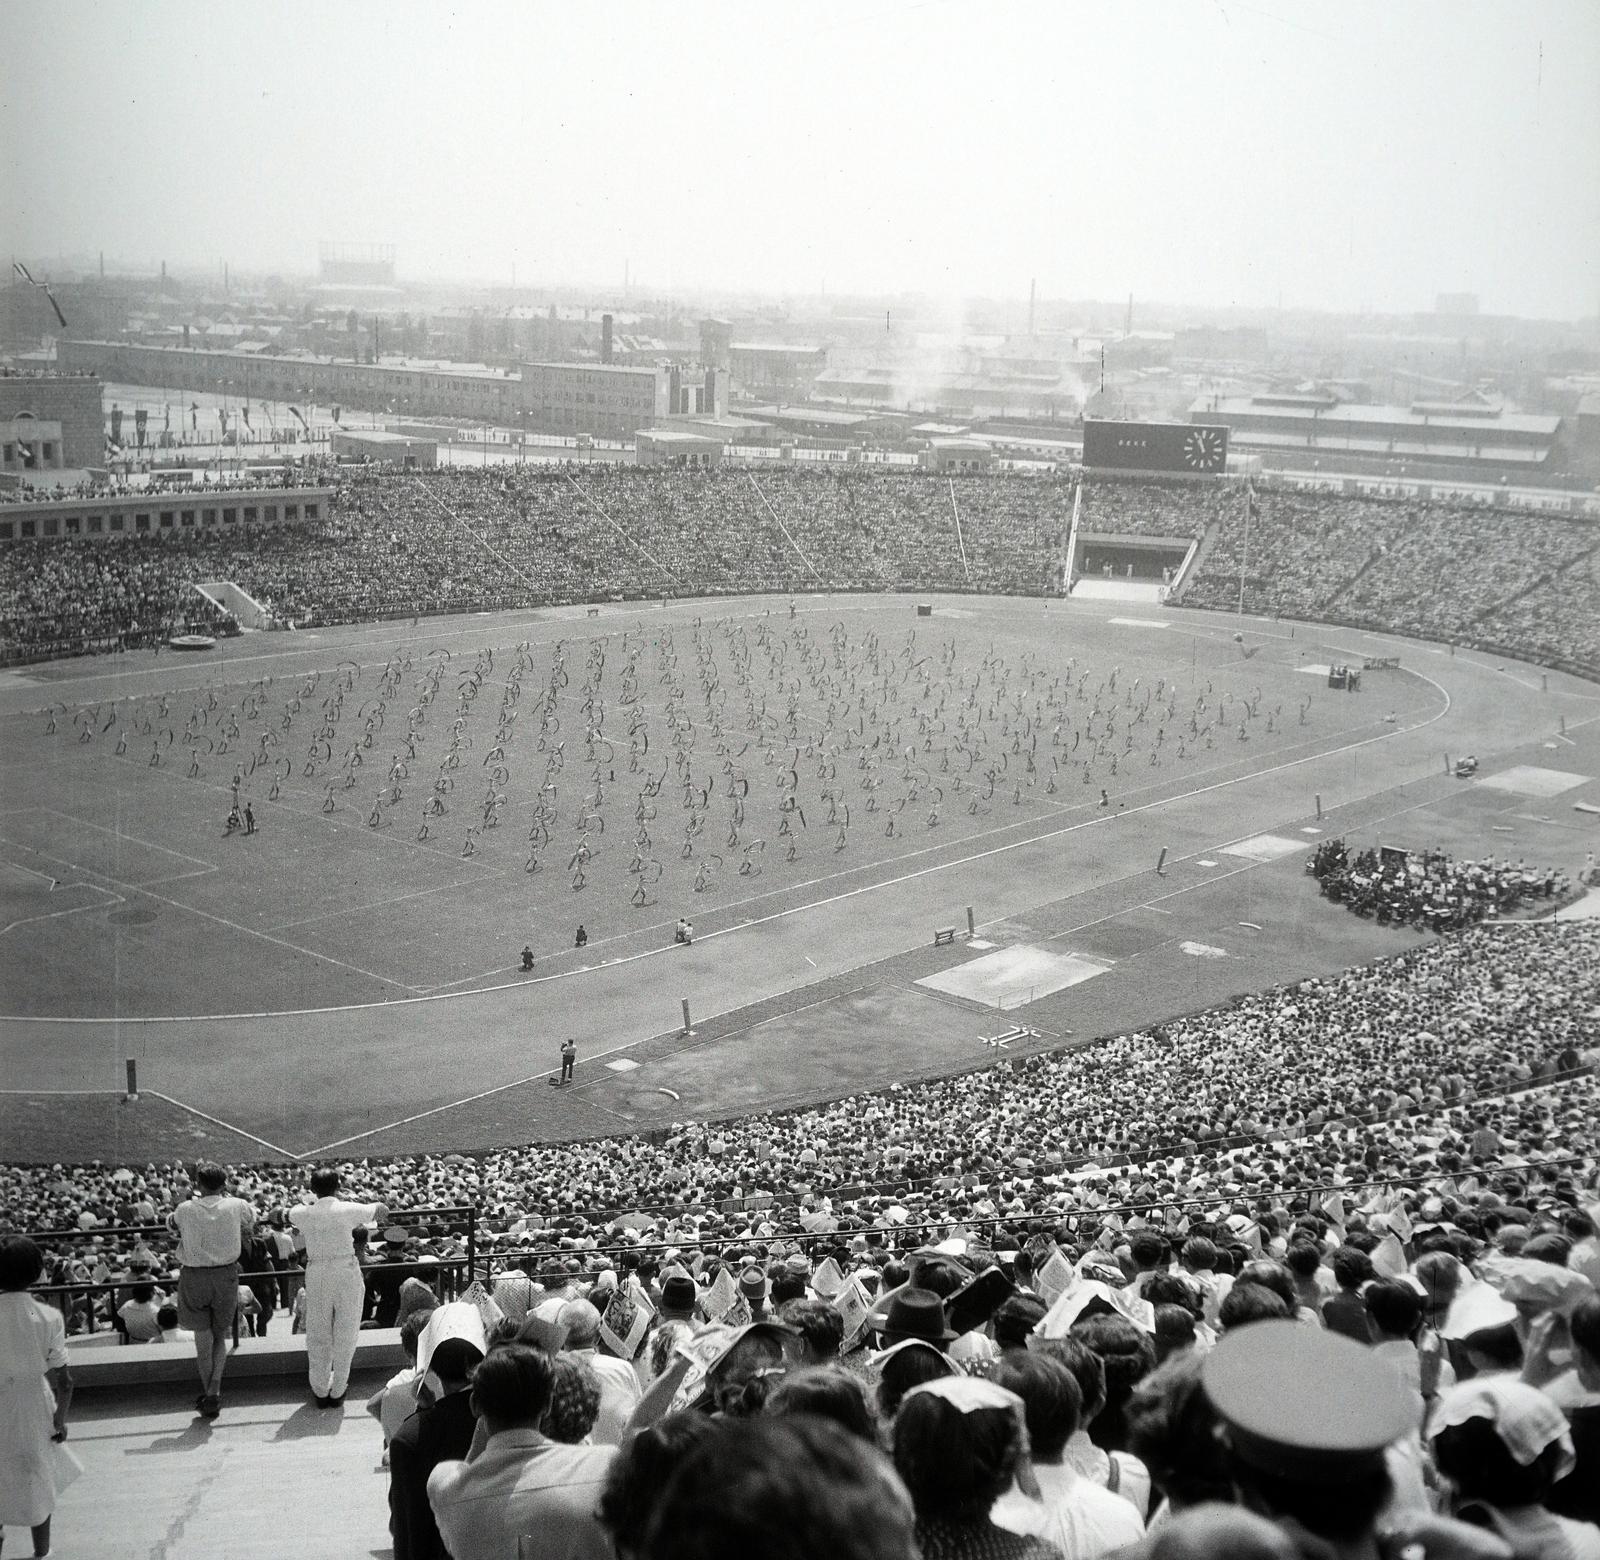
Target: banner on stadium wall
[(1187, 449)]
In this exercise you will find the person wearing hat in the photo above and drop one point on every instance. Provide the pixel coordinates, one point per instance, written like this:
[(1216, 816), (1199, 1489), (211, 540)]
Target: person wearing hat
[(753, 1291), (679, 1299), (1503, 1446), (1308, 1420), (911, 1313)]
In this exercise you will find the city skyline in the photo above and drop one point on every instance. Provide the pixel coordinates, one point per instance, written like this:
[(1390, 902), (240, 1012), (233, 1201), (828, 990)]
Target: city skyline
[(1210, 156)]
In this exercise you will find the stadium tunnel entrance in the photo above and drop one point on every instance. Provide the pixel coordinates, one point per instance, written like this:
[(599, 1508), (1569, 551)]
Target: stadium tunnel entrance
[(1112, 555)]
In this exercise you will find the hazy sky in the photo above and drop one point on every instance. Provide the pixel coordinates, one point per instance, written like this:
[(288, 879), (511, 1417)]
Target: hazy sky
[(1335, 155)]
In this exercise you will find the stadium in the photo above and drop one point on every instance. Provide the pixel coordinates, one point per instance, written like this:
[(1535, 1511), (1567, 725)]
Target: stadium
[(943, 804), (810, 785)]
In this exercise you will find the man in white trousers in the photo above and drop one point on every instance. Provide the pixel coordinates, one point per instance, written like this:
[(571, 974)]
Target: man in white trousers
[(336, 1288)]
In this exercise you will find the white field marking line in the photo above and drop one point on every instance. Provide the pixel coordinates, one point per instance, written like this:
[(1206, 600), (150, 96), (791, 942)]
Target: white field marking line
[(122, 834), (551, 1072), (217, 1121), (628, 1045), (377, 904), (222, 920), (440, 995), (117, 1092), (55, 915)]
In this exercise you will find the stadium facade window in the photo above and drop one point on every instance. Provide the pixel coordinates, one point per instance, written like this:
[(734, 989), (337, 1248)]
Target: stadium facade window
[(10, 453), (73, 524), (187, 517), (291, 511), (311, 511), (210, 516), (49, 454), (166, 520), (230, 516), (271, 513), (28, 529), (117, 522), (7, 530), (250, 514), (52, 527), (96, 524)]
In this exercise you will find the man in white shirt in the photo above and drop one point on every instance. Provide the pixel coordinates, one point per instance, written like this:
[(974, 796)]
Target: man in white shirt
[(336, 1289), (619, 1386), (1083, 1520), (211, 1229)]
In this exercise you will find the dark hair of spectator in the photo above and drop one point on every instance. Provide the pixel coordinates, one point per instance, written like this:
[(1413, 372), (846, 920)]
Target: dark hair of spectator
[(1175, 1330), (574, 1400), (324, 1183), (21, 1263), (1352, 1268), (411, 1330), (210, 1177), (820, 1326), (1274, 1276), (955, 1464), (826, 1392), (1129, 1355), (1246, 1303), (512, 1386), (1474, 1459), (1498, 1347), (1087, 1368), (1016, 1318), (1303, 1258), (1584, 1325), (784, 1489), (640, 1472), (905, 1370), (1554, 1249), (1174, 1289), (1172, 1430), (1051, 1402), (1394, 1307)]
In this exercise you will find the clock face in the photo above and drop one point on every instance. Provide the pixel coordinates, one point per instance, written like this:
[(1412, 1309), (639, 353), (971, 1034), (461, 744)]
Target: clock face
[(1202, 449)]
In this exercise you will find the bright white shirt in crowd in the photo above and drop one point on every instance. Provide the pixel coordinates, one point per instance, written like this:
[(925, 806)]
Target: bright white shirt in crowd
[(1083, 1520), (328, 1226), (210, 1229)]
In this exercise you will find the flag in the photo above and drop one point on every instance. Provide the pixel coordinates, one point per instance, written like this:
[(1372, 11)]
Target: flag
[(246, 415), (295, 412), (1333, 1207)]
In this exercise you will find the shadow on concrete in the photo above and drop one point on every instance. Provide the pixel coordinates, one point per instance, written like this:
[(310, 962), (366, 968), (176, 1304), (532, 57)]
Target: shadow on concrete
[(191, 1439), (309, 1421)]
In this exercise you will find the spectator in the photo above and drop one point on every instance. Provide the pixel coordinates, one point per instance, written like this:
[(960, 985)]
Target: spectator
[(523, 1483)]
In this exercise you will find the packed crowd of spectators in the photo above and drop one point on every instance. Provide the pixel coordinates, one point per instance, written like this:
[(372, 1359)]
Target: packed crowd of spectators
[(1514, 583), (1000, 1313), (1439, 1026), (476, 538), (1430, 889)]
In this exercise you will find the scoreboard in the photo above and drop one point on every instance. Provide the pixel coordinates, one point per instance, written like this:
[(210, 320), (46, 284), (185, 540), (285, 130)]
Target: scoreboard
[(1187, 449)]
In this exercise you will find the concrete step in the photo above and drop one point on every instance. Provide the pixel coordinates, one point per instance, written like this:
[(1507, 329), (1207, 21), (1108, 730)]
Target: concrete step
[(102, 1362)]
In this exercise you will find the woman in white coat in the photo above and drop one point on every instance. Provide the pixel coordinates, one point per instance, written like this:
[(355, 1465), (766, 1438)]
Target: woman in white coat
[(35, 1391)]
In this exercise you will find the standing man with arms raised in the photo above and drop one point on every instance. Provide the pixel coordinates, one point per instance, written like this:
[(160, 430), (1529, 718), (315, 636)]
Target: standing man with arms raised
[(211, 1228), (336, 1289)]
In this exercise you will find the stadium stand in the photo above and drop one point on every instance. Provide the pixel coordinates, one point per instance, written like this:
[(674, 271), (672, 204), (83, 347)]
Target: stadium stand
[(465, 539), (1367, 1200)]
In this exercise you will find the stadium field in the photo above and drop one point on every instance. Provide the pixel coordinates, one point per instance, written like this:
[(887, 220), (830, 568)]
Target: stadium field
[(816, 785)]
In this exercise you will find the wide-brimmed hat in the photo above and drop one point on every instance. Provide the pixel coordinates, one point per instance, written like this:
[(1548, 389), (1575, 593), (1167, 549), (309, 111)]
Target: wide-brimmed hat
[(911, 1313)]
